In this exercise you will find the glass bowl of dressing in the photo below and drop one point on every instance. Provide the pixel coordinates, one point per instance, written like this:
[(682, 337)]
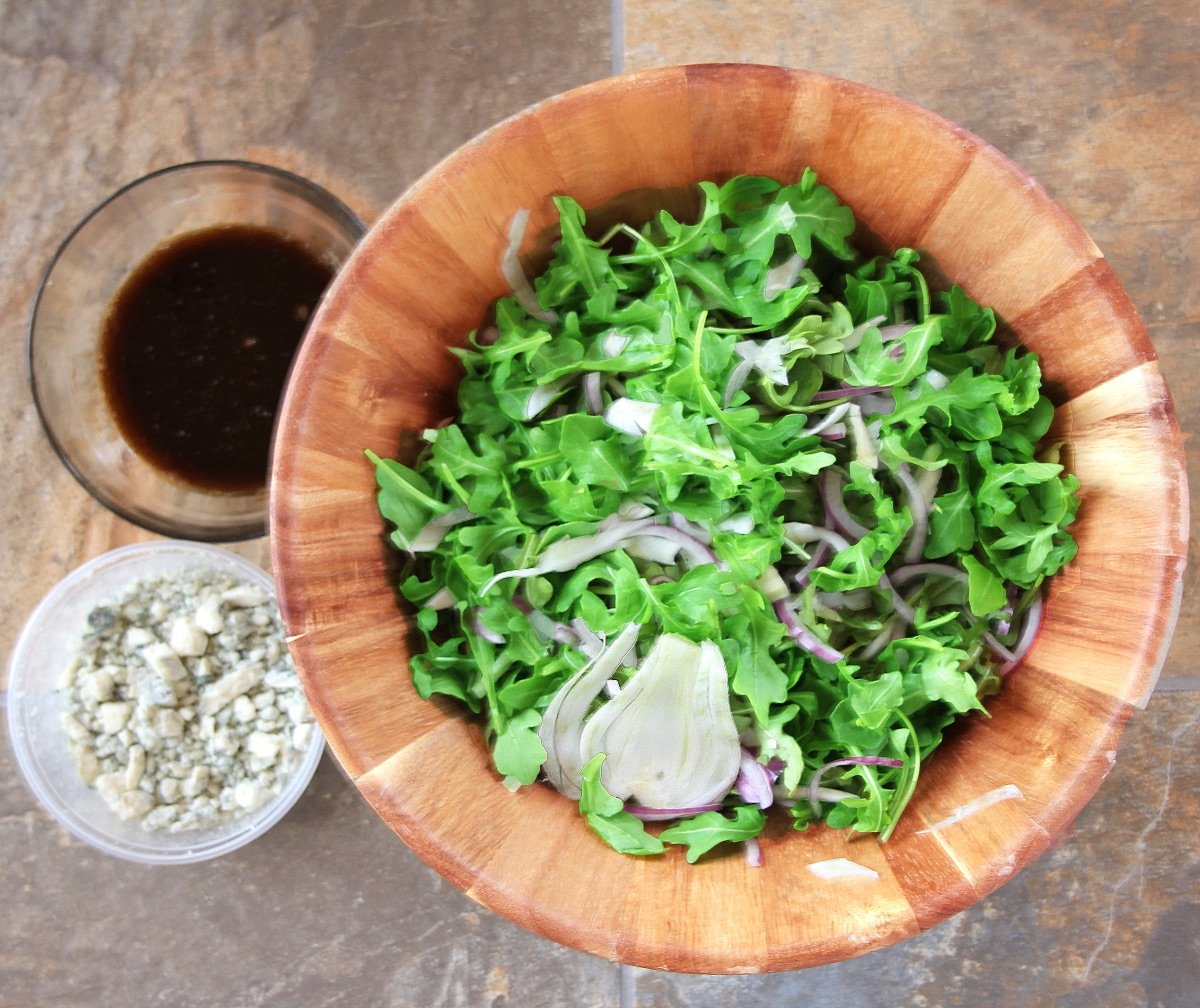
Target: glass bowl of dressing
[(162, 335)]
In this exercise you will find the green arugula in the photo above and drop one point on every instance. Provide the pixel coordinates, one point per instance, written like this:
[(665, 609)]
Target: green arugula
[(736, 429)]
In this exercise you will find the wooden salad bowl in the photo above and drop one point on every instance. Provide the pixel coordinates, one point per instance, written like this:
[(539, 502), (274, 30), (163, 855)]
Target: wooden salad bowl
[(374, 371)]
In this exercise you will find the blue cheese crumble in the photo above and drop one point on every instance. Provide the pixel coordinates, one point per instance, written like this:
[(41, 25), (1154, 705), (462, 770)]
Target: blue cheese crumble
[(183, 707)]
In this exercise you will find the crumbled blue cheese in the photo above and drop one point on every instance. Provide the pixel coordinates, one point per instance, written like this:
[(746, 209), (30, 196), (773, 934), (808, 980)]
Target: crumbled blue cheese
[(183, 707)]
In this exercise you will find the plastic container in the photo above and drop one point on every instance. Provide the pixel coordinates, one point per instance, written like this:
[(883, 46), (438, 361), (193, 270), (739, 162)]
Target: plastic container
[(35, 705)]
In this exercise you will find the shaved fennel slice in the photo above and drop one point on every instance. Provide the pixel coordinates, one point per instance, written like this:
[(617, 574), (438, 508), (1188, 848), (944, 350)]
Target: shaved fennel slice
[(840, 868), (562, 724), (432, 534), (1003, 793), (510, 265), (669, 734)]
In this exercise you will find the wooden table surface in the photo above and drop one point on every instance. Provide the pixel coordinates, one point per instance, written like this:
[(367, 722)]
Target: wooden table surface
[(1099, 101)]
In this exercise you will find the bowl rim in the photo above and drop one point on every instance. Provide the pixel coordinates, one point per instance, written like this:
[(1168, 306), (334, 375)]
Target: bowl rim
[(216, 842), (329, 204)]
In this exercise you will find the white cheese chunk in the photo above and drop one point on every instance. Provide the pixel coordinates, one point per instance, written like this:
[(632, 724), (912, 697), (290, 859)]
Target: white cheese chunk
[(264, 745), (229, 686), (113, 716), (183, 710), (187, 638), (163, 660), (208, 615)]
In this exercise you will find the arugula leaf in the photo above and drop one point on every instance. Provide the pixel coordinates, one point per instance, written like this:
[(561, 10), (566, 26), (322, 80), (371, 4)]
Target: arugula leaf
[(607, 818), (517, 752), (405, 499), (833, 475), (701, 833)]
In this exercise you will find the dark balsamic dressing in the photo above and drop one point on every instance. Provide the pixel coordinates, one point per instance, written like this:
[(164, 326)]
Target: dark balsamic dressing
[(196, 348)]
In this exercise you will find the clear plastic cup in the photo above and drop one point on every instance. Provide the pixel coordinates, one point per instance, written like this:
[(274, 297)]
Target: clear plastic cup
[(36, 703)]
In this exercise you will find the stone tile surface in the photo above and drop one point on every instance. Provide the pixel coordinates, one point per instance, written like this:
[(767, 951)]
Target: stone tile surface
[(1097, 100), (327, 909), (363, 96)]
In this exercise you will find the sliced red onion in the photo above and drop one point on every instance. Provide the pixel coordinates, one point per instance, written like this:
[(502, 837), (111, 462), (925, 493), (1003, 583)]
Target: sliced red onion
[(835, 433), (432, 534), (647, 814), (899, 602), (814, 783), (1003, 625), (830, 419), (755, 782), (848, 392), (804, 636), (829, 486), (895, 332), (487, 634), (552, 630), (854, 338), (891, 630), (802, 532), (676, 520), (902, 575), (877, 405), (591, 393), (819, 556), (998, 649), (510, 266), (918, 510), (753, 848), (1030, 625)]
